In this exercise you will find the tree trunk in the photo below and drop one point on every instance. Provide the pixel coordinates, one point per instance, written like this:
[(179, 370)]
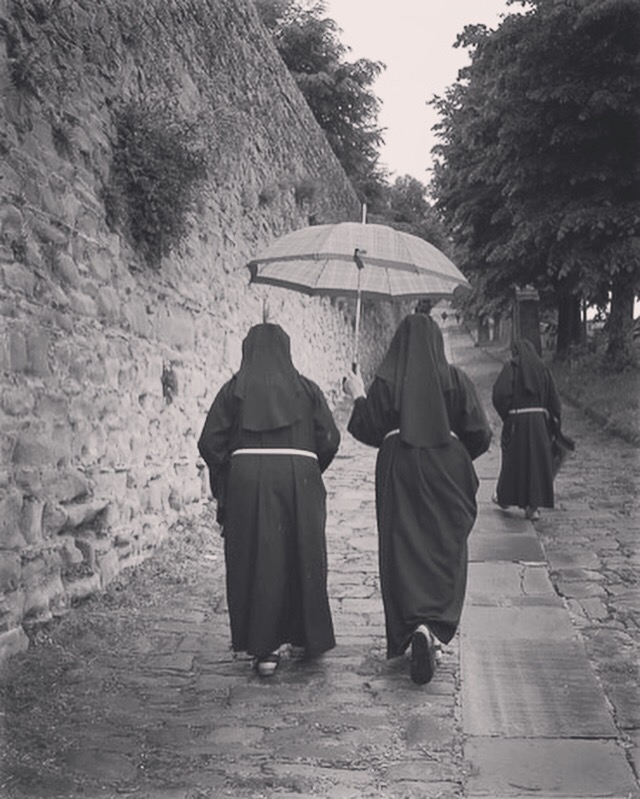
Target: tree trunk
[(620, 352), (569, 323), (483, 329), (576, 320)]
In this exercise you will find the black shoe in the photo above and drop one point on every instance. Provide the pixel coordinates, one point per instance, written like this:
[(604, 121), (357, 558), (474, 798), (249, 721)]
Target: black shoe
[(423, 658)]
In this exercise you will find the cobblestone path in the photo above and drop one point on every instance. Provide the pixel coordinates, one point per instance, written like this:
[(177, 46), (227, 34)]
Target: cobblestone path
[(136, 693)]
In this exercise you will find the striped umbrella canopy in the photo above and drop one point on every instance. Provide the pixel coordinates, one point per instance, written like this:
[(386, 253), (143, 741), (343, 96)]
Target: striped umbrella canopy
[(357, 259), (350, 259)]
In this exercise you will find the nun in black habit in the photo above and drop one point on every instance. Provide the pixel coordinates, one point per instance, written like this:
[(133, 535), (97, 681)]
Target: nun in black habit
[(267, 439), (527, 400), (426, 419)]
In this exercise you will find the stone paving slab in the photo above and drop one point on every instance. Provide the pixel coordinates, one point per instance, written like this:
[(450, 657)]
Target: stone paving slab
[(492, 583), (529, 622), (491, 521), (517, 547), (551, 768), (535, 689)]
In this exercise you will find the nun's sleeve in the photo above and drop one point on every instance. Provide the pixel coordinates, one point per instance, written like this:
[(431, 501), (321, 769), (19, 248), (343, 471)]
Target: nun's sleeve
[(469, 421), (327, 435), (215, 439), (371, 416)]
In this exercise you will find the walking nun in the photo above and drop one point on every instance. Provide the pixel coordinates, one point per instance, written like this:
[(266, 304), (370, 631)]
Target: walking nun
[(426, 419), (526, 399), (267, 439)]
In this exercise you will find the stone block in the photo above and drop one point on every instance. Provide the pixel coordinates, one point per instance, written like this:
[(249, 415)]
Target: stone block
[(49, 232), (155, 496), (10, 568), (83, 587), (175, 326), (11, 221), (92, 548), (85, 514), (5, 357), (65, 485), (137, 317), (19, 278), (53, 406), (109, 483), (100, 264), (12, 642), (31, 520), (35, 447), (17, 400), (54, 519), (18, 357), (82, 304), (29, 481), (38, 353), (108, 566), (67, 270), (37, 566), (127, 376), (151, 368), (11, 609), (108, 304), (69, 552), (112, 370), (43, 587), (10, 513)]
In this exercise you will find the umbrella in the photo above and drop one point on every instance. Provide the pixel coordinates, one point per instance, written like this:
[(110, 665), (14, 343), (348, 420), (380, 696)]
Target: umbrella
[(354, 259)]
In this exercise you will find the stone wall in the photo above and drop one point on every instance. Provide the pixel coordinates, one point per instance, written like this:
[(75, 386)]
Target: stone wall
[(107, 366)]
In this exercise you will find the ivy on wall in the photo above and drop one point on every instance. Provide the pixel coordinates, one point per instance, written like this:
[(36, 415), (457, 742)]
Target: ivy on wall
[(159, 163)]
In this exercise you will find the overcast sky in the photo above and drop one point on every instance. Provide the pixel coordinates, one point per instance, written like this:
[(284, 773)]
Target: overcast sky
[(414, 38)]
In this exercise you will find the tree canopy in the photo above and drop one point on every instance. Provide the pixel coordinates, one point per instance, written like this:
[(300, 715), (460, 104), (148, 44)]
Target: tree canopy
[(537, 172), (337, 91), (403, 205)]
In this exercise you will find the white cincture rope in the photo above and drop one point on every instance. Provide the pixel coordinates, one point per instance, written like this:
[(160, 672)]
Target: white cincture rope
[(529, 410), (275, 451), (396, 432)]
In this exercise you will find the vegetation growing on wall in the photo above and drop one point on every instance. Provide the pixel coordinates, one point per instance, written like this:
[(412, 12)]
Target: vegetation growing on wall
[(159, 162)]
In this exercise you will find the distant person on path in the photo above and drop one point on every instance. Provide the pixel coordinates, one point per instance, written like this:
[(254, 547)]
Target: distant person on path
[(527, 401), (267, 439), (424, 306), (426, 419)]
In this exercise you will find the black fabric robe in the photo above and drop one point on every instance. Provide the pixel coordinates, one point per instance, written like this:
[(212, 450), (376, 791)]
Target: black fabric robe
[(273, 511), (526, 471), (426, 506)]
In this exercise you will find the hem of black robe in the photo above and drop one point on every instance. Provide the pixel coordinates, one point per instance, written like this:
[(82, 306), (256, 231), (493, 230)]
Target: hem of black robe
[(310, 652)]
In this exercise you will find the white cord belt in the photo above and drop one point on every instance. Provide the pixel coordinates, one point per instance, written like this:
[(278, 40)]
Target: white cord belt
[(396, 432), (274, 451), (528, 410)]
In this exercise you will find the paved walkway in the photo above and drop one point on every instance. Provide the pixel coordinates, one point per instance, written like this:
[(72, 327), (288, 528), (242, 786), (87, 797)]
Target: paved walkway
[(152, 704)]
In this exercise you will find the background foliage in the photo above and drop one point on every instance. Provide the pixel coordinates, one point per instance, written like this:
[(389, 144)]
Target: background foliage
[(538, 174)]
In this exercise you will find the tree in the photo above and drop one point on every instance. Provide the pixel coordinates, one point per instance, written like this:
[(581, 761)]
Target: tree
[(338, 92), (404, 206), (537, 172)]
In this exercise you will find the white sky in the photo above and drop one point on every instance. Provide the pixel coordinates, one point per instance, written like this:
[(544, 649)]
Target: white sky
[(414, 38)]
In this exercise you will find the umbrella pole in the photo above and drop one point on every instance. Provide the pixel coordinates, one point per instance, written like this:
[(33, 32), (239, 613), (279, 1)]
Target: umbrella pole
[(354, 365), (360, 266)]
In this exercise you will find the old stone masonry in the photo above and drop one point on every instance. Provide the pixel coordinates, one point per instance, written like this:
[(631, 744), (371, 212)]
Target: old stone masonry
[(136, 692)]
